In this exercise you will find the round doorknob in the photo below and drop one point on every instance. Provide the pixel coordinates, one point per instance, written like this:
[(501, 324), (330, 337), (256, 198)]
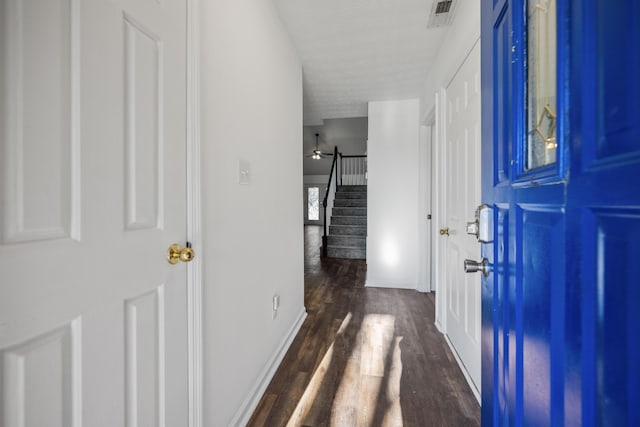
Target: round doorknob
[(177, 253), (471, 266), (444, 231)]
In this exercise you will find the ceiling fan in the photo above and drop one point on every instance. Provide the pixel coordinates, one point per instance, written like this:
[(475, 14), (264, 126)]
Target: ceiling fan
[(317, 154)]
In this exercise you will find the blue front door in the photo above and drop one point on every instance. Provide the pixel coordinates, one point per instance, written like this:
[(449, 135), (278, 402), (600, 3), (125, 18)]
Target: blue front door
[(561, 169)]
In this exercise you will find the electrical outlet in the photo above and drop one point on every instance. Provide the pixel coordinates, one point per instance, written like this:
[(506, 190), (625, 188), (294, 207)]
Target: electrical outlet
[(244, 172)]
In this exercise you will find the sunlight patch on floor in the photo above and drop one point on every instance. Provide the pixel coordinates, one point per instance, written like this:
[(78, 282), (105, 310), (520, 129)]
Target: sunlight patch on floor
[(393, 414), (369, 377), (372, 376), (308, 398)]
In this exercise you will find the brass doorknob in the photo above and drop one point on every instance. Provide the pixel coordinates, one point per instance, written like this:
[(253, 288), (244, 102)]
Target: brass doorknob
[(444, 231), (177, 253)]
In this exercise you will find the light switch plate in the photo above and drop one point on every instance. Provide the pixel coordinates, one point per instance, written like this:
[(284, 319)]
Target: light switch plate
[(244, 172)]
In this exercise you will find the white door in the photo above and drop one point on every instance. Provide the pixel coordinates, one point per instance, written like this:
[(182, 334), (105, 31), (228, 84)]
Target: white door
[(463, 196), (93, 321)]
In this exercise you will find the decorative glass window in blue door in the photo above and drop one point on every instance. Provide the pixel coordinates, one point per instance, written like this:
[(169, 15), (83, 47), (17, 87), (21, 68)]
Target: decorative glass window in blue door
[(541, 83)]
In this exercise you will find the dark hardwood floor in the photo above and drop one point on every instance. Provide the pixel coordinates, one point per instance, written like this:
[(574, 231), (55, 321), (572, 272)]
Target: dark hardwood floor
[(364, 357)]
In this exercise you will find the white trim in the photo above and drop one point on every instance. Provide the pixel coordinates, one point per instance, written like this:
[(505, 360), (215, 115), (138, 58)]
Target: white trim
[(425, 201), (438, 326), (439, 209), (194, 216), (429, 118), (412, 287), (423, 209), (433, 203), (76, 371), (244, 413), (75, 220), (474, 389)]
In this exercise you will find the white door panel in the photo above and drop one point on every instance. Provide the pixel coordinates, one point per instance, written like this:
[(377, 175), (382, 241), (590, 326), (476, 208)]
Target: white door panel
[(93, 321), (463, 196)]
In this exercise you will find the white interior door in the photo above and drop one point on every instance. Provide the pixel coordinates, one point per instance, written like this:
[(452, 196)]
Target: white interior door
[(463, 196), (93, 321)]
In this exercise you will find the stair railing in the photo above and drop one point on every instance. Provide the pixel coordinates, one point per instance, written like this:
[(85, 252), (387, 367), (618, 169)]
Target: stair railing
[(329, 196), (353, 170)]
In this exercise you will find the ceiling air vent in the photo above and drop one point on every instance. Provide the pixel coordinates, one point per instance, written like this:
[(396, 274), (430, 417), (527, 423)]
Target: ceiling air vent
[(441, 13), (443, 7)]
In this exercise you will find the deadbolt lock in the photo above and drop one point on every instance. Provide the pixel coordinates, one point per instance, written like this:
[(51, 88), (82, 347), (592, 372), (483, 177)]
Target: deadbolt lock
[(481, 227)]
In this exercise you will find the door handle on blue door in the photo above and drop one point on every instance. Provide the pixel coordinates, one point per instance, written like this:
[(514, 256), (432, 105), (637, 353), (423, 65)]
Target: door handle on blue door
[(471, 266)]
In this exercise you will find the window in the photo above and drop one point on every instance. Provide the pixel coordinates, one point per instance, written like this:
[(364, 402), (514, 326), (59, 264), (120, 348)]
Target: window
[(313, 204), (541, 83)]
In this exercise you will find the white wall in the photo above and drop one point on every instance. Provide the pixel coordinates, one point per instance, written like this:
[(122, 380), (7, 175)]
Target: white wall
[(316, 179), (251, 99), (392, 206), (457, 43)]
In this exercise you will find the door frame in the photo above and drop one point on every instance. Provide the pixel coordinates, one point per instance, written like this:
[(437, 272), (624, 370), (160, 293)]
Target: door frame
[(426, 202), (440, 208), (194, 217)]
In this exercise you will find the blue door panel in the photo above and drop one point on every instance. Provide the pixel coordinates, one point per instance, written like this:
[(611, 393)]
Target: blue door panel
[(617, 47), (605, 196), (541, 331), (607, 93), (613, 316)]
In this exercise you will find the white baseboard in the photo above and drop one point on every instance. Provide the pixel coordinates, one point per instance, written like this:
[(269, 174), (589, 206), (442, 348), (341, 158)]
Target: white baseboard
[(411, 287), (244, 413), (474, 388), (439, 326)]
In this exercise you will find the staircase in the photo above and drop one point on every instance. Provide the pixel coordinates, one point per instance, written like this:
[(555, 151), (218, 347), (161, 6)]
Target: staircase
[(348, 230)]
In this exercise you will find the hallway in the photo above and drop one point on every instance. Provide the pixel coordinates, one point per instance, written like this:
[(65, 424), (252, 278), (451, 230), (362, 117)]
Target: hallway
[(364, 357)]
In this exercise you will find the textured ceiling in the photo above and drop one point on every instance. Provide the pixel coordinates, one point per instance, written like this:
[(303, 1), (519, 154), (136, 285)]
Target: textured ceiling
[(356, 51)]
